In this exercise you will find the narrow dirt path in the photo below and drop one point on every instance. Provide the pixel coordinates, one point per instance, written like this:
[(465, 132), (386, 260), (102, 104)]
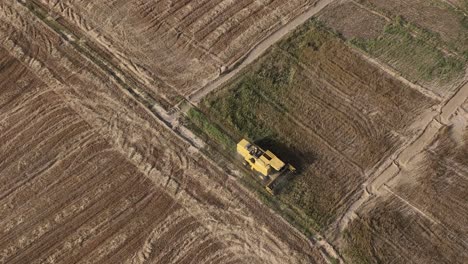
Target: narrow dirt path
[(376, 185), (258, 50)]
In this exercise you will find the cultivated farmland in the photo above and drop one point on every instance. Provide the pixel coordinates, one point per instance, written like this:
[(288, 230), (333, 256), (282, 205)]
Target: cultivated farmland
[(423, 214), (369, 177), (425, 41), (419, 212), (177, 46), (119, 119), (313, 97), (88, 174)]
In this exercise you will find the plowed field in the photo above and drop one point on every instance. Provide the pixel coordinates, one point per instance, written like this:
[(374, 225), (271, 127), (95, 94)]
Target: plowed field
[(178, 46), (89, 175)]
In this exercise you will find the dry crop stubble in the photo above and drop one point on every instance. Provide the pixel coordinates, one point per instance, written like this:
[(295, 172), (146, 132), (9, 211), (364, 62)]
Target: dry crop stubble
[(98, 176), (178, 46), (422, 216)]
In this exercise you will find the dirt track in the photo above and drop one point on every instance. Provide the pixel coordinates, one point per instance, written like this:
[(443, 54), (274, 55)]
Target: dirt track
[(177, 47), (133, 191), (393, 166), (258, 50), (107, 210)]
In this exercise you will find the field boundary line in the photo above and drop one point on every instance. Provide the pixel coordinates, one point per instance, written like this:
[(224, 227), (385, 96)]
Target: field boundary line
[(175, 196), (92, 35), (397, 75), (391, 168), (182, 196), (433, 219), (370, 10), (257, 51), (416, 209)]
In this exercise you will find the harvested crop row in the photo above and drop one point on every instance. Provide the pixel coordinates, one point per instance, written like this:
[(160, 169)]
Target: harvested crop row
[(89, 174), (51, 195), (390, 231), (184, 44)]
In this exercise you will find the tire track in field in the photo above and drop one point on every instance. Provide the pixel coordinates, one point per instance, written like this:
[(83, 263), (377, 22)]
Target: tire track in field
[(254, 53), (74, 214), (389, 170), (183, 196)]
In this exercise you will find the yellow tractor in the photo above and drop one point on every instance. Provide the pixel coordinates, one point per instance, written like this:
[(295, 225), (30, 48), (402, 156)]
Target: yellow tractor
[(266, 163)]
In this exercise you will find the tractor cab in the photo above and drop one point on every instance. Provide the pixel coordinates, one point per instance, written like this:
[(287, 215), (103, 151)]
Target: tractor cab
[(267, 164)]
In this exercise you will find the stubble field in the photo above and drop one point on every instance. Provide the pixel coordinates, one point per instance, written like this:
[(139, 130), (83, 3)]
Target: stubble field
[(422, 215), (359, 134), (415, 209), (178, 46), (368, 101), (89, 175)]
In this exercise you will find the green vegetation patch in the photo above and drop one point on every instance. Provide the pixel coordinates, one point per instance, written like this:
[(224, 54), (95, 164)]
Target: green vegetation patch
[(358, 244), (203, 126), (210, 129), (256, 106), (300, 101), (413, 52)]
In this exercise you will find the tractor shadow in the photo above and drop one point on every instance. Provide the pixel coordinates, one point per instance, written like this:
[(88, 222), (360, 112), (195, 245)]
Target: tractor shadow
[(298, 159)]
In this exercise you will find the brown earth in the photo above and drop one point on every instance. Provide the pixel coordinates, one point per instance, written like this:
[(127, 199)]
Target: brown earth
[(89, 175), (436, 16), (439, 181), (352, 21), (420, 191), (422, 215), (390, 231), (178, 46)]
